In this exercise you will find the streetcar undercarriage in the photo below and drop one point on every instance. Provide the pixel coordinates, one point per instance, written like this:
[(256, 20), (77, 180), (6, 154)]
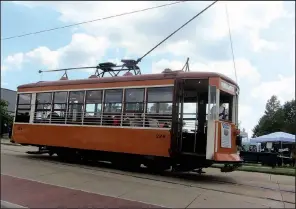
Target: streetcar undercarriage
[(181, 163)]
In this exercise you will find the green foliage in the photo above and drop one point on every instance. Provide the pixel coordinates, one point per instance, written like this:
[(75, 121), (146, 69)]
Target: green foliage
[(289, 114), (4, 115), (276, 118)]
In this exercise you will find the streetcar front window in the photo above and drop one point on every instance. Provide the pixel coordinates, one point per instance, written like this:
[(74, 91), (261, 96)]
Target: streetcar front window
[(226, 106), (228, 110)]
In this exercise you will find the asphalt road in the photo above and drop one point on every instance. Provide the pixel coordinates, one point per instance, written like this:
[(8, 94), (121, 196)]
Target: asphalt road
[(24, 175)]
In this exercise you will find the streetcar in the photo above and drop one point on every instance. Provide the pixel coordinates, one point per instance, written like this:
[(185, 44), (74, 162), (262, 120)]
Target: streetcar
[(170, 120)]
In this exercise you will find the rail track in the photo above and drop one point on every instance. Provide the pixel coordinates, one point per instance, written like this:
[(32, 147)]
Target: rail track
[(191, 179)]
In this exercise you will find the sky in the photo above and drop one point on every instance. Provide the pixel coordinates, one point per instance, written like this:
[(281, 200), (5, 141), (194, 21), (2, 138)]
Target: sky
[(263, 35)]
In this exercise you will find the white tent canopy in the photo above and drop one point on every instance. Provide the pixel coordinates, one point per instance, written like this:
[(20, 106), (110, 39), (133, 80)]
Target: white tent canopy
[(275, 137)]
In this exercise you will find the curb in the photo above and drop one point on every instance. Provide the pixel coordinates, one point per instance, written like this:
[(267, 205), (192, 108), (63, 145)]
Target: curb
[(10, 144), (5, 204), (261, 171)]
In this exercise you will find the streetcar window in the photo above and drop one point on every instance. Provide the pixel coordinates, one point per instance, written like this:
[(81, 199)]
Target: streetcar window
[(60, 97), (93, 107), (134, 95), (23, 108), (159, 106), (212, 113), (113, 101), (134, 100), (159, 100), (75, 107), (133, 107), (43, 98), (160, 94), (76, 97), (59, 107), (93, 97), (226, 101), (113, 96), (24, 99), (112, 107), (43, 108)]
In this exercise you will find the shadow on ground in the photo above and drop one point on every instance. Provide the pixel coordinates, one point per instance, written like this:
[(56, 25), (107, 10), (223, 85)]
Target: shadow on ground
[(188, 176)]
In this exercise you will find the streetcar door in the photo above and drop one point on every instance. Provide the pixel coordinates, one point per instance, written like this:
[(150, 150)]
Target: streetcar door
[(212, 117), (177, 126)]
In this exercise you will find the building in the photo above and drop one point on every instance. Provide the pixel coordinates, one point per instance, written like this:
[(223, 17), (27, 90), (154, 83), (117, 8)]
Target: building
[(9, 96)]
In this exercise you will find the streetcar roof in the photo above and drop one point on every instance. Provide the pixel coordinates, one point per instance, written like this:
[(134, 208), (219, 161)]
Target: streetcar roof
[(159, 76)]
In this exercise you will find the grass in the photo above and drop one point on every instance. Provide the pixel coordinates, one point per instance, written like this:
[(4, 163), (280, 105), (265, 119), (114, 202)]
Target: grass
[(263, 169)]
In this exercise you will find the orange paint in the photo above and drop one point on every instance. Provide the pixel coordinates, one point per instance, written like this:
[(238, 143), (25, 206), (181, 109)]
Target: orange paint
[(125, 140), (226, 153), (214, 81), (99, 85), (224, 157)]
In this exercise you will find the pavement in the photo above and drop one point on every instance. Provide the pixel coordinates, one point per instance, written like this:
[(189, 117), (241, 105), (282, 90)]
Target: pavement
[(40, 181), (6, 141), (5, 204)]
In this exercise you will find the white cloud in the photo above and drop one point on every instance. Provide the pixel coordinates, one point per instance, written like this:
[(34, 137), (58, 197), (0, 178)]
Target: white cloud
[(260, 44), (139, 32), (245, 18), (83, 50), (43, 55), (283, 87), (14, 61), (245, 70)]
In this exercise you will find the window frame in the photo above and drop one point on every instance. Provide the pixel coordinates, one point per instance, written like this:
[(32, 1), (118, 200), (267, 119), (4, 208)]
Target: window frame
[(104, 102), (80, 115), (125, 103), (159, 102), (43, 120), (59, 109), (18, 105), (157, 115), (95, 102)]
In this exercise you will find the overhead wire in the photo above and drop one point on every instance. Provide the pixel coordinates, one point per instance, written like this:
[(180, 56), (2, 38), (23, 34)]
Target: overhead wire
[(231, 42), (195, 16), (90, 21)]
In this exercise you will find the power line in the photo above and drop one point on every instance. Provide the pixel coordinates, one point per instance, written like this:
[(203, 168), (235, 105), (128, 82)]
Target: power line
[(231, 45), (90, 21), (195, 16)]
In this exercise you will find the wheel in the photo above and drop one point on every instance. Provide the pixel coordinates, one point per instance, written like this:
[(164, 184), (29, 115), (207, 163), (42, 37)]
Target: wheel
[(157, 167), (130, 165), (69, 156)]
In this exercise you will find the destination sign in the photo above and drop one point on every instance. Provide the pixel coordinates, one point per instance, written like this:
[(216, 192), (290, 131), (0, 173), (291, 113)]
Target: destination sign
[(227, 87)]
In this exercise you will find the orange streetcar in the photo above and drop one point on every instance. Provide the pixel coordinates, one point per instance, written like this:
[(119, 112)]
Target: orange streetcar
[(174, 119)]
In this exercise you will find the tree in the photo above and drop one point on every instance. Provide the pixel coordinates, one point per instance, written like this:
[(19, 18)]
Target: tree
[(289, 114), (276, 118), (272, 106), (5, 118)]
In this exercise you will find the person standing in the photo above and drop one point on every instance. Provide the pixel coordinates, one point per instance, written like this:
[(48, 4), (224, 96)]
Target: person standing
[(9, 131)]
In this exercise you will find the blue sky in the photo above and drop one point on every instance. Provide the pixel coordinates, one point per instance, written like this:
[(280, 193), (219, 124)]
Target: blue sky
[(263, 36)]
